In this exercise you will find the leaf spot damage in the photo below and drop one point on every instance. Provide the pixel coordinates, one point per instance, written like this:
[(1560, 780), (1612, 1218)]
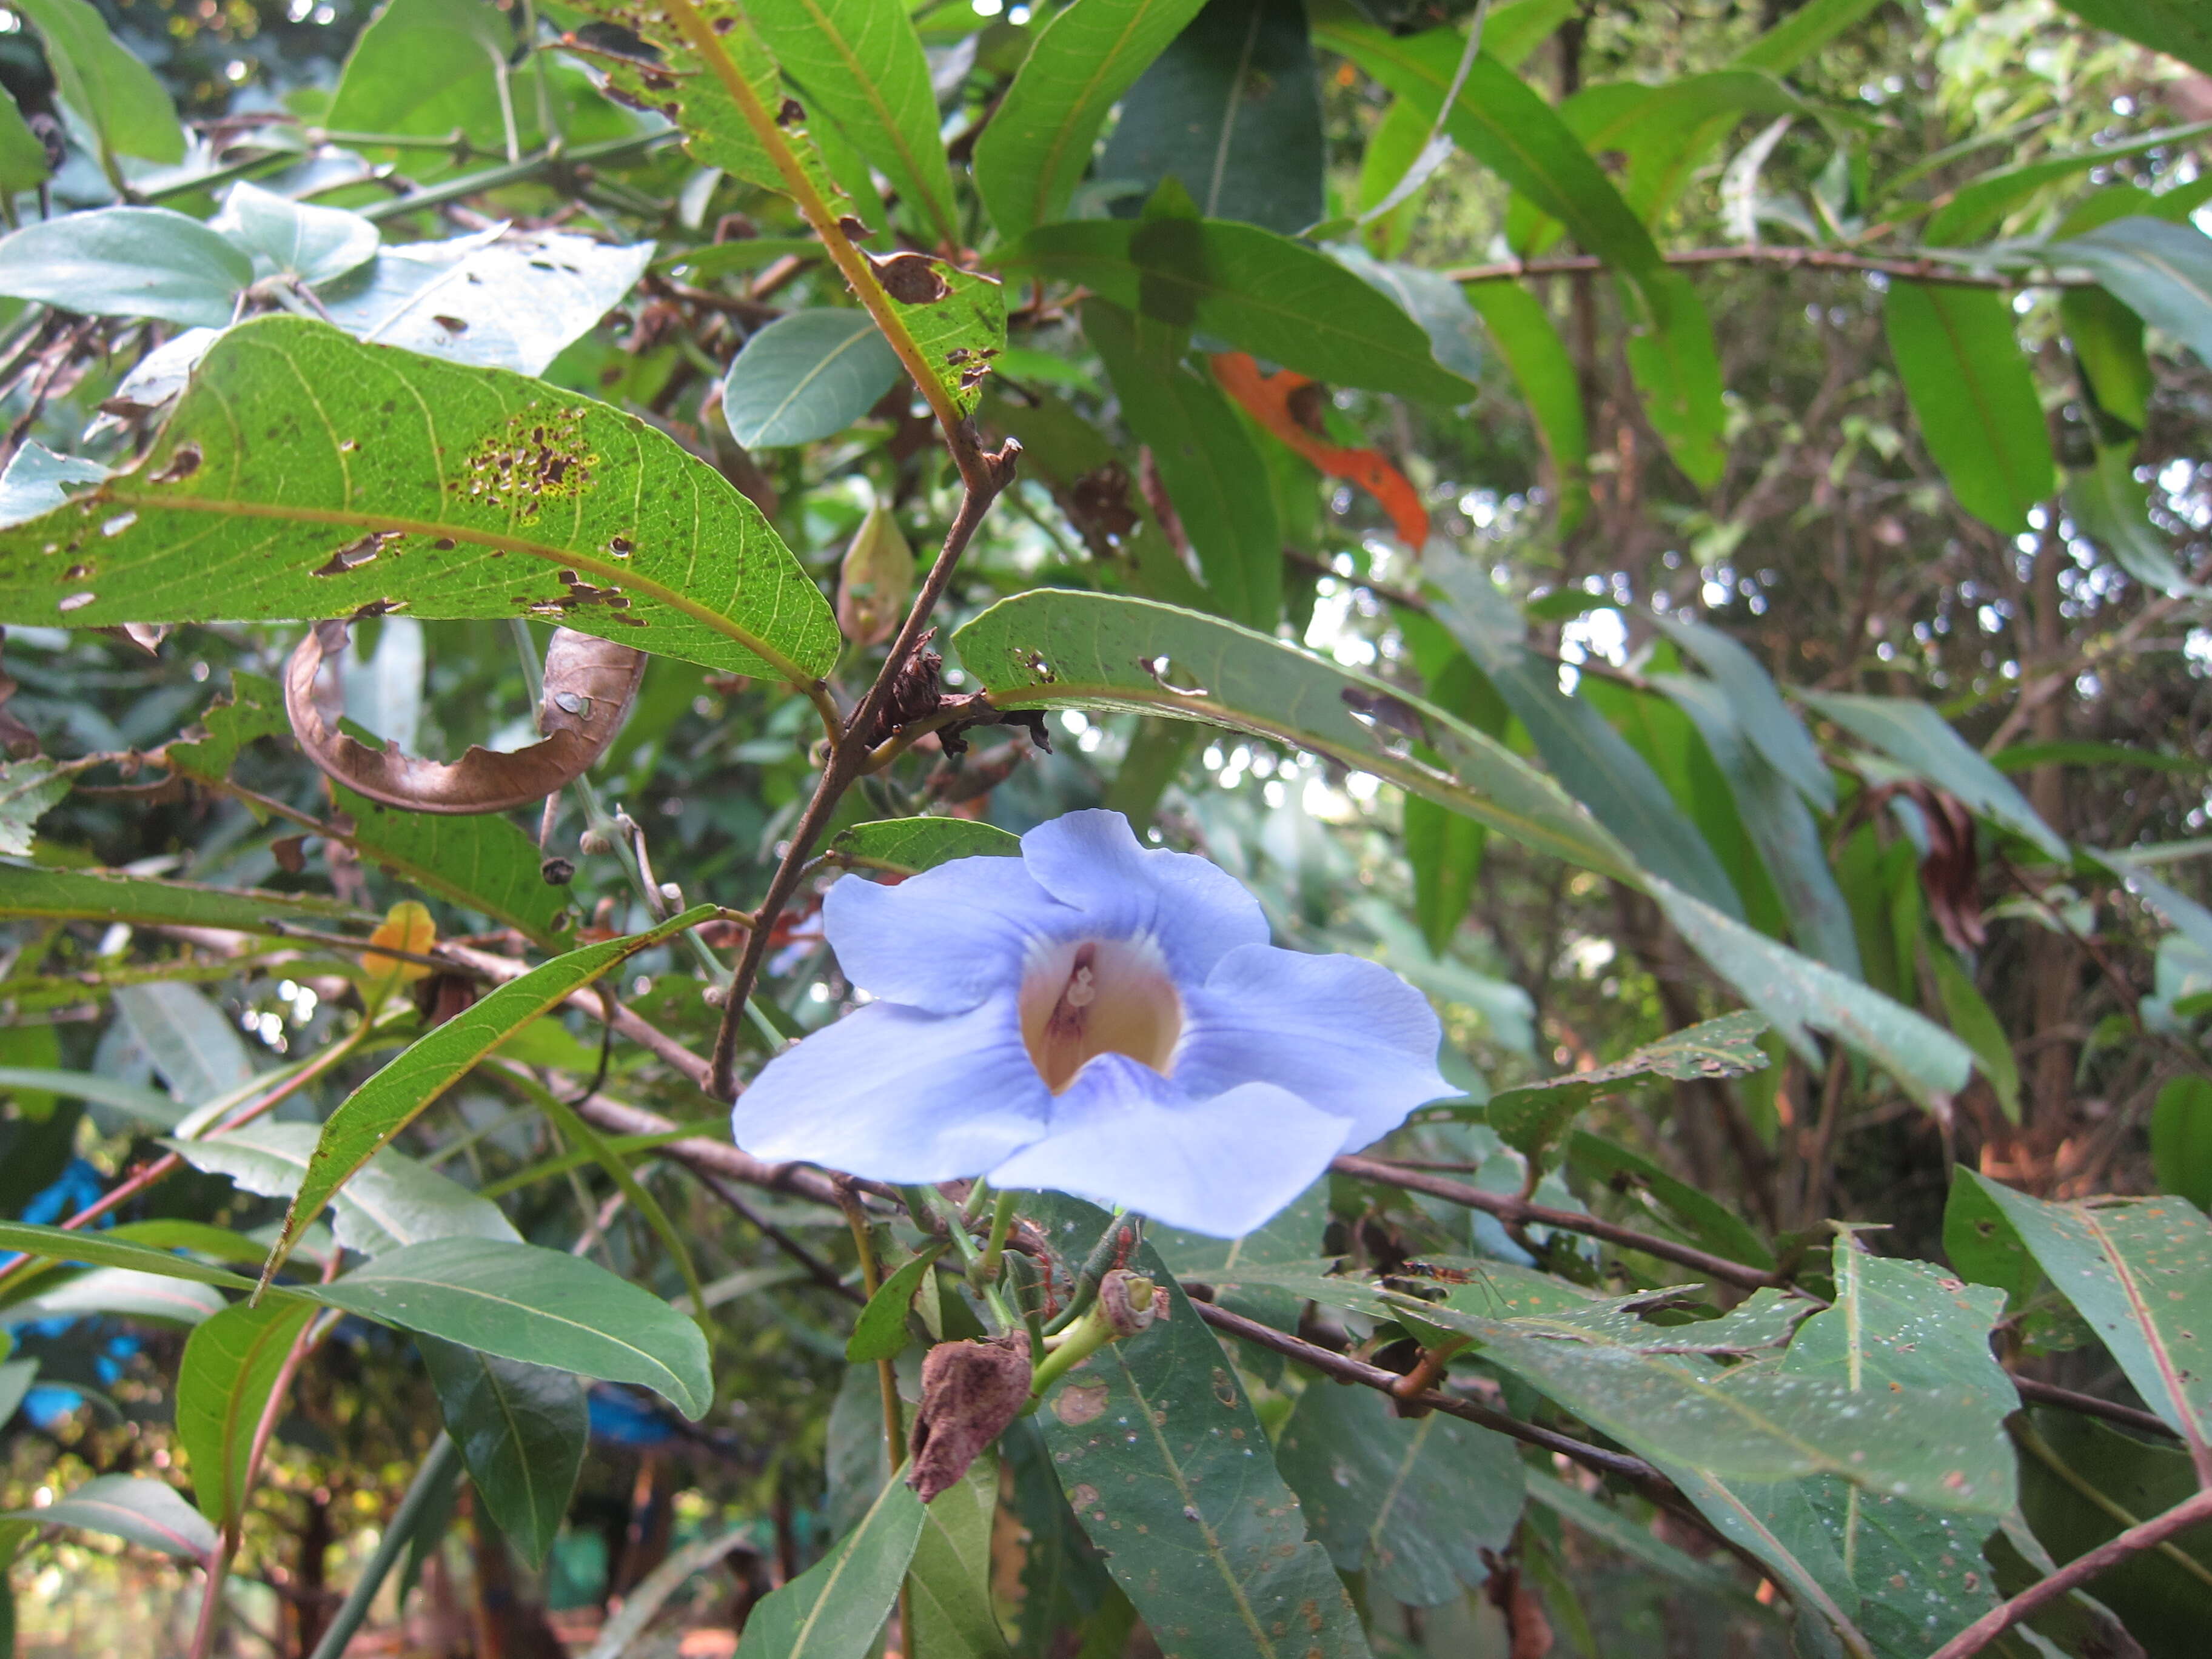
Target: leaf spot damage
[(541, 455)]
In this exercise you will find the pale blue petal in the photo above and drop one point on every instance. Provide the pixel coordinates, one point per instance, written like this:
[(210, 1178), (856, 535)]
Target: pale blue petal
[(946, 938), (895, 1094), (1220, 1167), (1197, 912), (1346, 1036)]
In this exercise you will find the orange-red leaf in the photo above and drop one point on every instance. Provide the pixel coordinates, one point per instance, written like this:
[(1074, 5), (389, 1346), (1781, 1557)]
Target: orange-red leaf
[(1273, 401)]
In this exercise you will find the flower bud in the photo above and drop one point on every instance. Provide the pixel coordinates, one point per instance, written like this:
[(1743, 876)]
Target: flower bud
[(970, 1391), (591, 843), (1129, 1302), (875, 581)]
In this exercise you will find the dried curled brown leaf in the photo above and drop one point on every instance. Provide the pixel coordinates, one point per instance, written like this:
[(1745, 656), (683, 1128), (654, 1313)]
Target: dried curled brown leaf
[(589, 686), (970, 1391)]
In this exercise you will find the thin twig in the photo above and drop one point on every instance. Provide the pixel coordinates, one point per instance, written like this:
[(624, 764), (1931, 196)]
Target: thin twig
[(2079, 1572), (1944, 272)]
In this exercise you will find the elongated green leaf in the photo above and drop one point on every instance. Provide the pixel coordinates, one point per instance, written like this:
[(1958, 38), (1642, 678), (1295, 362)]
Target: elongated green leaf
[(951, 1575), (906, 846), (1293, 1234), (367, 1119), (1525, 337), (861, 63), (1059, 650), (230, 1369), (263, 499), (123, 1292), (2176, 27), (1505, 123), (1798, 994), (2140, 1273), (1261, 293), (2181, 1140), (543, 1307), (1917, 738), (151, 1513), (1430, 299), (16, 1376), (1975, 209), (1624, 1536), (194, 1045), (2108, 343), (1444, 851), (127, 262), (805, 376), (1804, 32), (1531, 1118), (1414, 1503), (480, 861), (430, 67), (880, 1331), (1674, 1205), (104, 1249), (521, 1429), (1169, 1472), (1667, 131), (1030, 157), (1776, 819), (145, 901), (124, 102), (1207, 461), (836, 1609), (1594, 761), (150, 1105), (2163, 271), (1678, 370), (1978, 1027), (1973, 397), (1232, 108), (1758, 709), (22, 156), (390, 1201)]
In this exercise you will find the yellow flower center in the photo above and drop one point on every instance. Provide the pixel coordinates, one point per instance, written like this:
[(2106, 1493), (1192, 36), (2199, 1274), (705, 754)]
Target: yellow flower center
[(1091, 997)]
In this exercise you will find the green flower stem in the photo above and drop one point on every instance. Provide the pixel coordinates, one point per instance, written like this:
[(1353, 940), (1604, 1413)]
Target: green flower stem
[(985, 1272), (1077, 1344), (929, 1217), (427, 1479), (1094, 1269)]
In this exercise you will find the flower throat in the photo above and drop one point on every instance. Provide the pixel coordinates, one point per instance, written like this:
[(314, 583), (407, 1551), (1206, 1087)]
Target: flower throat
[(1091, 997)]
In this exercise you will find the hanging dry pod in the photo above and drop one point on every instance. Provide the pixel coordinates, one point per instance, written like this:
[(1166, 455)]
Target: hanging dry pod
[(875, 583)]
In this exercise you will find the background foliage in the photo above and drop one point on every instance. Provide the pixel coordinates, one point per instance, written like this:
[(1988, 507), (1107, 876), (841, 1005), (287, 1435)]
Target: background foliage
[(1677, 529)]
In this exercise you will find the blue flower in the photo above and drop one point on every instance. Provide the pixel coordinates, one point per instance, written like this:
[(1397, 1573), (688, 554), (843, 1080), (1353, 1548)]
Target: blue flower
[(1098, 1019)]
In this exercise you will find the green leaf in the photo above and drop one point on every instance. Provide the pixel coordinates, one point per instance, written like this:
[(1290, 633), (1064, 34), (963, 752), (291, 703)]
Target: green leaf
[(1169, 1472), (1802, 33), (2181, 1140), (1038, 144), (960, 332), (430, 67), (1532, 1118), (1624, 1536), (1764, 718), (22, 167), (228, 1371), (1675, 1205), (543, 1307), (389, 1202), (906, 846), (861, 63), (1677, 368), (2083, 1482), (836, 1609), (233, 517), (2140, 1271), (105, 1250), (1504, 123), (1059, 649), (1795, 992), (1978, 208), (2160, 271), (124, 102), (37, 481), (951, 1575), (1973, 397), (1444, 851), (127, 262), (1592, 761), (880, 1331), (1259, 292), (1776, 820), (366, 1121), (150, 1513), (194, 1045), (480, 861), (1415, 1503), (296, 238), (28, 790), (806, 376), (147, 902), (1978, 1027), (521, 1429), (1525, 337), (1231, 108), (2108, 344), (1207, 459), (123, 1291), (2176, 27), (1292, 1234), (1435, 301), (1917, 738), (16, 1376)]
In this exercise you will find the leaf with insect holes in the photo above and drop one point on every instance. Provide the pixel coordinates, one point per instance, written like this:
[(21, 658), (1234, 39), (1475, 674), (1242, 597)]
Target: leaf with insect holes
[(906, 846), (307, 475)]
